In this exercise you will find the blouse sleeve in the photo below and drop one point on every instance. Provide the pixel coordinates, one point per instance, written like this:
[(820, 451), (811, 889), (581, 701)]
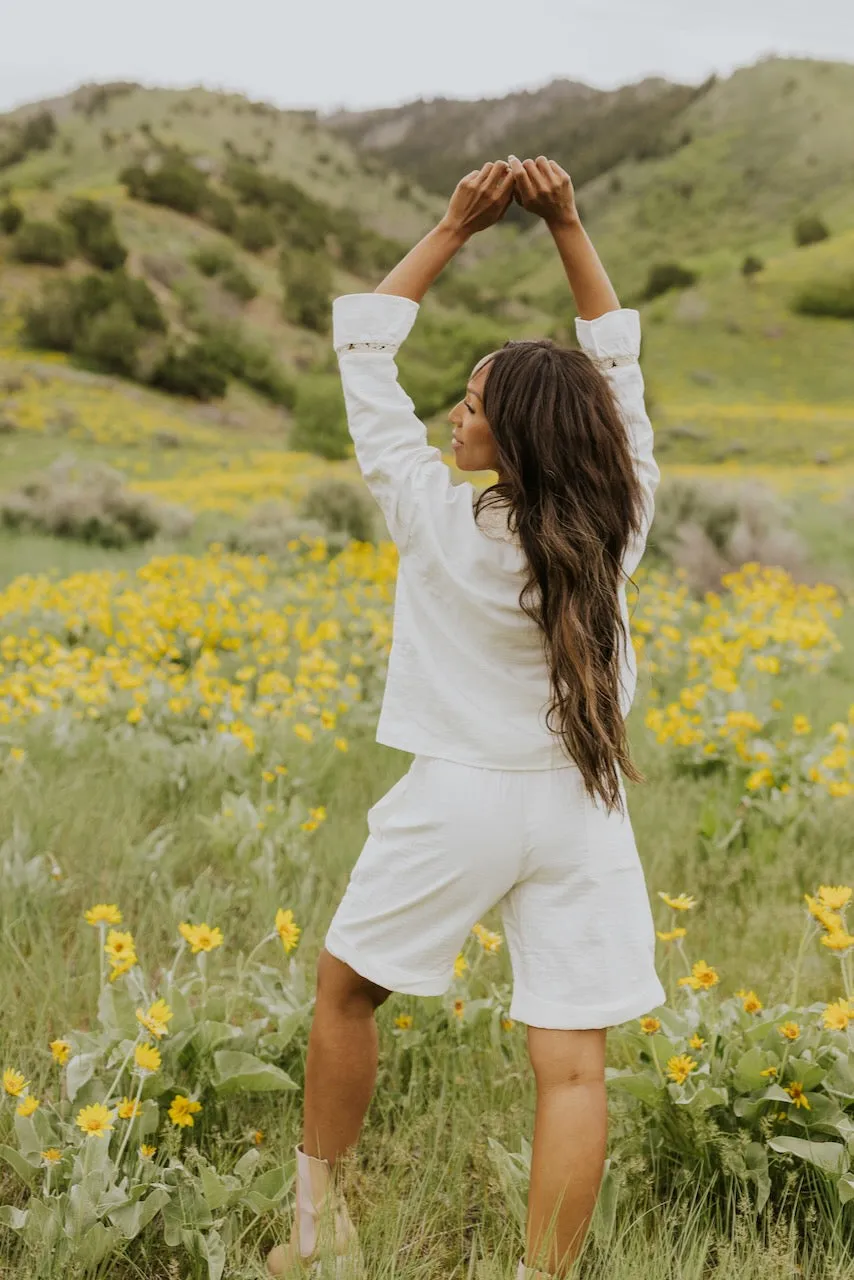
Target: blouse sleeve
[(390, 440), (613, 343)]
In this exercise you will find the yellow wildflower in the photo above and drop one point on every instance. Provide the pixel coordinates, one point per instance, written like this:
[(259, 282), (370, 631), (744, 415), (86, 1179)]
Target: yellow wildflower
[(129, 1109), (201, 937), (51, 1155), (14, 1082), (701, 977), (750, 1000), (103, 913), (650, 1025), (770, 1072), (95, 1120), (696, 1041), (507, 1024), (459, 1008), (789, 1030), (834, 897), (182, 1110), (830, 920), (27, 1106), (801, 725), (404, 1021), (837, 1015), (147, 1057), (460, 965), (156, 1019), (488, 940), (795, 1090), (838, 940), (146, 1151), (61, 1050), (258, 1137), (287, 929), (671, 935), (679, 1067), (681, 903)]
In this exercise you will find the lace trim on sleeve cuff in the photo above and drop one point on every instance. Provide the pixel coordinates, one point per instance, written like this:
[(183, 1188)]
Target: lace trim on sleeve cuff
[(367, 346), (611, 362)]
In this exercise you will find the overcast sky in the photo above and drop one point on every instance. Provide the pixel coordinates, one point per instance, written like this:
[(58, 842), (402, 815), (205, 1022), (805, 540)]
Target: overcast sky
[(361, 53)]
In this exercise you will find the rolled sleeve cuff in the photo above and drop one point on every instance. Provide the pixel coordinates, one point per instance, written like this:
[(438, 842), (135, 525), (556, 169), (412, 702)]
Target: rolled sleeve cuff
[(384, 318), (616, 333)]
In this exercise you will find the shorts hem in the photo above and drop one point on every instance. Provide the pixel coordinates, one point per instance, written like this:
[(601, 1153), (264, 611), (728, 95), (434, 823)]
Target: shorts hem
[(383, 975), (534, 1012)]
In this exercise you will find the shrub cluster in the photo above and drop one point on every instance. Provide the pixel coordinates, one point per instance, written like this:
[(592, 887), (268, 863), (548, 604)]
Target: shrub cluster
[(810, 230), (307, 280), (102, 319), (11, 217), (95, 232), (664, 276), (826, 298), (50, 243), (174, 182), (707, 531), (36, 133), (89, 504), (320, 419), (216, 261)]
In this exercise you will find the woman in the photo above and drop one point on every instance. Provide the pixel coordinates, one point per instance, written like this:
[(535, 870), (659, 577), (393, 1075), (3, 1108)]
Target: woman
[(509, 677)]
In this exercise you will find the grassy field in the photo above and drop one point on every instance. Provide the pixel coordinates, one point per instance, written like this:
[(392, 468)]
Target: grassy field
[(155, 815)]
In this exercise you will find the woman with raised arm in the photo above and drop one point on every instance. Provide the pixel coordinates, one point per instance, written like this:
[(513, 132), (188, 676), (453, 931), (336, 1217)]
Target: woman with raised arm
[(510, 675)]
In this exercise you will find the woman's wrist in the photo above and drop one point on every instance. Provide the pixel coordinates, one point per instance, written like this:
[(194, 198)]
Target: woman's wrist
[(566, 221), (451, 231)]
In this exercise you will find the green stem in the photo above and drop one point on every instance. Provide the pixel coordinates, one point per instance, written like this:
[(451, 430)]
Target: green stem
[(130, 1122), (269, 938), (102, 936), (657, 1063), (805, 937), (120, 1072)]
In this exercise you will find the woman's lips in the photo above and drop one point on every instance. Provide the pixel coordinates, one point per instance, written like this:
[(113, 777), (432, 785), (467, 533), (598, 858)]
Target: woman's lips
[(456, 444)]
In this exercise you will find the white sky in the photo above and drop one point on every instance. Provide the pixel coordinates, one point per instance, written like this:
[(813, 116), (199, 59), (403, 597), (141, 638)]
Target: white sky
[(360, 53)]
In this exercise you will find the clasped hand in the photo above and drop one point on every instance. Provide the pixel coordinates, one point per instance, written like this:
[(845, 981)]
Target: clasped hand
[(483, 196)]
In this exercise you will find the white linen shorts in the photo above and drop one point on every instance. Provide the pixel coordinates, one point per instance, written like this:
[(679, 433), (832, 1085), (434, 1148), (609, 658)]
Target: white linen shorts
[(449, 841)]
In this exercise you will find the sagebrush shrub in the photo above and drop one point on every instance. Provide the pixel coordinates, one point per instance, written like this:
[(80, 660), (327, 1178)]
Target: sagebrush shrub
[(89, 503), (320, 419), (46, 242), (342, 508), (827, 297), (665, 276)]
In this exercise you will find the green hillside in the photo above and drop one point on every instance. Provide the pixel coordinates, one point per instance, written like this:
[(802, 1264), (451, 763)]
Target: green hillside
[(286, 210)]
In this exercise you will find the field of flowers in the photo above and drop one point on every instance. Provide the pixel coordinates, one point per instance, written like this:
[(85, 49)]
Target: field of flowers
[(186, 758)]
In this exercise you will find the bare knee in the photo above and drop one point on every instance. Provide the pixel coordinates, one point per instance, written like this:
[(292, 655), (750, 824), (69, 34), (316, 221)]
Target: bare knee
[(561, 1058), (340, 987)]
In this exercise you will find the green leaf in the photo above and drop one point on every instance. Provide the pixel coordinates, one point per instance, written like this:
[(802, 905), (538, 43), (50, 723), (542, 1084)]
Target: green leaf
[(845, 1188), (827, 1156), (132, 1217), (706, 1096), (245, 1166), (209, 1035), (639, 1086), (12, 1217), (79, 1071), (756, 1163), (213, 1251), (216, 1189), (244, 1073), (96, 1244), (807, 1073), (747, 1075), (16, 1161), (117, 1013)]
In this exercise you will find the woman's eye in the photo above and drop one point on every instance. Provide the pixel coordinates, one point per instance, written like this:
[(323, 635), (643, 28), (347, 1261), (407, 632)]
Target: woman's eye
[(468, 406)]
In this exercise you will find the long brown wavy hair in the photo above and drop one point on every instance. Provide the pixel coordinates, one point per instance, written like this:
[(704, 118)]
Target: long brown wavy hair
[(575, 501)]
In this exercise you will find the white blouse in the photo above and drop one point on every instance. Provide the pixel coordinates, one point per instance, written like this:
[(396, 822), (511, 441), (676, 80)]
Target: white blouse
[(467, 680)]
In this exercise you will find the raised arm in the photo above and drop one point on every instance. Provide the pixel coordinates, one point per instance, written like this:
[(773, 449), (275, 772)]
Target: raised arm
[(609, 333)]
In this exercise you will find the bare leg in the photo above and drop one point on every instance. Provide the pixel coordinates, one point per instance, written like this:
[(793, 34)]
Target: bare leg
[(341, 1068), (569, 1143), (341, 1063)]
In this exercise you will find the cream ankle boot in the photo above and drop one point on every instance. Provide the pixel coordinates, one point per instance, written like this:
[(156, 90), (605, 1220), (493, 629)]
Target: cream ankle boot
[(529, 1273), (321, 1218)]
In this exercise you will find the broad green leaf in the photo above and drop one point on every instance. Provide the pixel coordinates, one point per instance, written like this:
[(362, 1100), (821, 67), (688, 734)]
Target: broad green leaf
[(756, 1163), (747, 1075), (638, 1086), (827, 1156), (243, 1073), (845, 1188), (131, 1218), (11, 1217), (26, 1171), (79, 1071), (706, 1096), (210, 1035), (96, 1244), (34, 1133), (807, 1073), (216, 1189), (245, 1166), (117, 1013)]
